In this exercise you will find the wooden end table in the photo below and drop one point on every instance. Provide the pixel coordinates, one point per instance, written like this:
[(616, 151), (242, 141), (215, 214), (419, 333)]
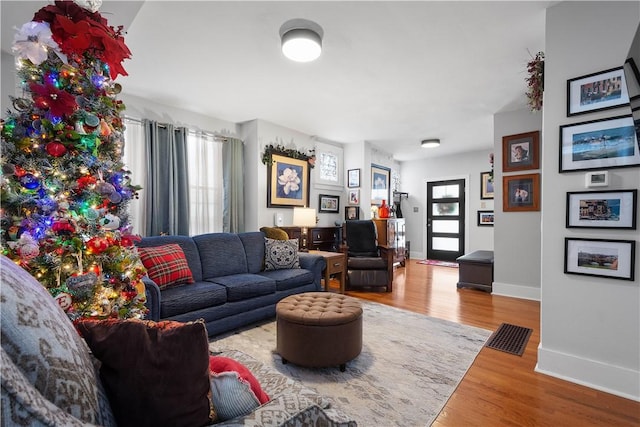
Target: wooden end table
[(336, 264)]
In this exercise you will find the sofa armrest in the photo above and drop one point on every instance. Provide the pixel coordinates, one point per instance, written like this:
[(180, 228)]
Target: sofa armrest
[(152, 291), (314, 263)]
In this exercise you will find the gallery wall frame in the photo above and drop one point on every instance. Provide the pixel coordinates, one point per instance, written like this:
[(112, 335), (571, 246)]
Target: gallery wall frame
[(602, 209), (327, 172), (353, 178), (328, 203), (354, 197), (521, 151), (351, 212), (614, 259), (380, 184), (486, 185), (287, 182), (521, 193), (598, 91), (599, 144), (485, 218)]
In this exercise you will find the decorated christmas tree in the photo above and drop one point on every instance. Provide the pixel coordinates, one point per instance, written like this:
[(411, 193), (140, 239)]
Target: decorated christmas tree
[(64, 188)]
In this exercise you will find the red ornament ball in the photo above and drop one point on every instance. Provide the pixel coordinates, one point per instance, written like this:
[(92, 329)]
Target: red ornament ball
[(97, 245), (56, 149)]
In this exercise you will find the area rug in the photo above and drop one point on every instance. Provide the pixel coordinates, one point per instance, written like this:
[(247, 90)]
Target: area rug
[(439, 263), (510, 339), (409, 366)]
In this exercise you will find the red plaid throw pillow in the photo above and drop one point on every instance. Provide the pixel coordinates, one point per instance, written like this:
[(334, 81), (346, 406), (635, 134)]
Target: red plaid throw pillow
[(166, 265)]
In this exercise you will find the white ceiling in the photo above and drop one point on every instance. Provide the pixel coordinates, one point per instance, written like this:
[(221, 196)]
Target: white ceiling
[(391, 73)]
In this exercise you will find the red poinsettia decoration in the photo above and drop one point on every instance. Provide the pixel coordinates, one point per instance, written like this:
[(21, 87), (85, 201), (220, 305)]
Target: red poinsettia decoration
[(48, 97), (76, 30)]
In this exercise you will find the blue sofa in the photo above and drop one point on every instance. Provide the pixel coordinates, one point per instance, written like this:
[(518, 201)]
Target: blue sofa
[(231, 288)]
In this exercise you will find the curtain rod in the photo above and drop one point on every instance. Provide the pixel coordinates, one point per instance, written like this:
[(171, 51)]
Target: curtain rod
[(216, 135)]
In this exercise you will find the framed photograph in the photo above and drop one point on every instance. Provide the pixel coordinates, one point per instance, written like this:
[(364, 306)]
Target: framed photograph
[(600, 257), (521, 193), (353, 178), (602, 209), (380, 184), (328, 171), (521, 151), (485, 218), (351, 212), (599, 144), (287, 182), (328, 203), (597, 91), (354, 197), (486, 185)]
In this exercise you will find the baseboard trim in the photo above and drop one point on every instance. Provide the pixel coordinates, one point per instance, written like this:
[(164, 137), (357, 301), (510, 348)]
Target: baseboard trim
[(610, 379), (516, 291)]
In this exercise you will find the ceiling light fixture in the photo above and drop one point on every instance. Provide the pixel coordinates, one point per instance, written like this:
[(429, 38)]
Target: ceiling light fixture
[(301, 40), (430, 143)]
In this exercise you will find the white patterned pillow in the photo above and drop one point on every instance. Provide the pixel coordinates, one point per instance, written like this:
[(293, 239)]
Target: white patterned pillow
[(43, 344), (280, 254)]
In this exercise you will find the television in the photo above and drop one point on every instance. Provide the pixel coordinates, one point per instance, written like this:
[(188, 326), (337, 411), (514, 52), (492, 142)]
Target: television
[(632, 78)]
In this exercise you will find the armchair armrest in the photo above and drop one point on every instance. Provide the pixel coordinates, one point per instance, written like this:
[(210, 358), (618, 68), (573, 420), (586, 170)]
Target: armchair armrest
[(152, 291), (388, 254), (315, 264)]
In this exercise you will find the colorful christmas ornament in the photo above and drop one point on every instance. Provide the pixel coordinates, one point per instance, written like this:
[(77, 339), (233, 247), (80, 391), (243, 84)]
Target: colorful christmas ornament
[(56, 149), (64, 300), (29, 181)]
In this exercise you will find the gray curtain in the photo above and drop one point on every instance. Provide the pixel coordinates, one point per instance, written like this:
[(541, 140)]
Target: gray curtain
[(167, 187), (233, 173)]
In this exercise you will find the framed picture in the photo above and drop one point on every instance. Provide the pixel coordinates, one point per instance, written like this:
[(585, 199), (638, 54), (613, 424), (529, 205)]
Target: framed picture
[(353, 178), (328, 203), (380, 184), (354, 197), (521, 151), (521, 193), (597, 91), (486, 185), (485, 218), (599, 144), (351, 212), (287, 182), (602, 209), (328, 170), (600, 257)]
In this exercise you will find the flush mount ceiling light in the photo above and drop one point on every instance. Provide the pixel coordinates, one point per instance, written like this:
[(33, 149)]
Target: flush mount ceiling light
[(301, 40), (430, 143)]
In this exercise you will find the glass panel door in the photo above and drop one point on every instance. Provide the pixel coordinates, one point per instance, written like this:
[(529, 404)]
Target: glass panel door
[(445, 219)]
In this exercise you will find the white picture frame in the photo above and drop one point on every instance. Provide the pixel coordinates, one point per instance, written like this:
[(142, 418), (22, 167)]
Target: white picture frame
[(328, 172)]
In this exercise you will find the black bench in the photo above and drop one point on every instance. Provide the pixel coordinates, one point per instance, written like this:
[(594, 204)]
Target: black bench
[(476, 270)]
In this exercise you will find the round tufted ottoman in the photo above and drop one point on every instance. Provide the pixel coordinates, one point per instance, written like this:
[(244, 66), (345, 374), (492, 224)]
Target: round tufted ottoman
[(319, 329)]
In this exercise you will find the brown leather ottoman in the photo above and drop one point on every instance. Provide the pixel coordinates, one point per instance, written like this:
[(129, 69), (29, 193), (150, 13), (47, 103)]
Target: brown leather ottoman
[(319, 329)]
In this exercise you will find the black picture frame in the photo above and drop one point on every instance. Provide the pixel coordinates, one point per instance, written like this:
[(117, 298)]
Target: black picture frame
[(613, 259), (287, 182), (328, 203), (353, 178), (485, 218), (612, 209), (599, 144), (351, 212), (598, 91), (380, 184)]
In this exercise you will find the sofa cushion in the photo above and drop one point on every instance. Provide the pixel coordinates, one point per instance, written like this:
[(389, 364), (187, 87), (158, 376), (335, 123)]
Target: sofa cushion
[(154, 373), (289, 279), (221, 254), (244, 286), (280, 254), (41, 341), (186, 298), (253, 243), (188, 247), (166, 265)]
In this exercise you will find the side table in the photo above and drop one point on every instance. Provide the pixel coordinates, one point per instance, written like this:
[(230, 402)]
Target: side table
[(336, 264)]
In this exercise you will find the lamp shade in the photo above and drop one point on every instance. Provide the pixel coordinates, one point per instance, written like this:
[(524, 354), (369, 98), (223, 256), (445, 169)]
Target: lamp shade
[(430, 143), (301, 40), (304, 217)]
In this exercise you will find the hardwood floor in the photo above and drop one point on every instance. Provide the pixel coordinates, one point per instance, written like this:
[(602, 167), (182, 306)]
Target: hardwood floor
[(501, 389)]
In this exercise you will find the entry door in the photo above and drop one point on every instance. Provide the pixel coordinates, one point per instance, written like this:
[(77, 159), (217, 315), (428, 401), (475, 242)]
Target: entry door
[(445, 219)]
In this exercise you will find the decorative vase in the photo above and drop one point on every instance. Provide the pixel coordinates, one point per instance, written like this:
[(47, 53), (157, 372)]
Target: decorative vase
[(383, 210)]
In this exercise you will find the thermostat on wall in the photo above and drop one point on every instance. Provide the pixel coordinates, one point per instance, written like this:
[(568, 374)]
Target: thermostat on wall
[(597, 179)]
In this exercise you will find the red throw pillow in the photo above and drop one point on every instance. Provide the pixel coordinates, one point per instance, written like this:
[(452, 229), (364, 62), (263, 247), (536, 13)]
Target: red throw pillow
[(166, 265), (218, 364), (154, 373)]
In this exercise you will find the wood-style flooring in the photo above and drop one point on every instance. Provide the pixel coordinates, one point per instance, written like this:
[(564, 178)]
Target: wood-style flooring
[(500, 389)]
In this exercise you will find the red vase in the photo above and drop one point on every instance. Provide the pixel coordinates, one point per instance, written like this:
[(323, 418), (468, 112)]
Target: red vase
[(383, 210)]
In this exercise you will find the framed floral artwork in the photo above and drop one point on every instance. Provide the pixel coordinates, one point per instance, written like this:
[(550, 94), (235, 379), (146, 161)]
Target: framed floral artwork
[(287, 182)]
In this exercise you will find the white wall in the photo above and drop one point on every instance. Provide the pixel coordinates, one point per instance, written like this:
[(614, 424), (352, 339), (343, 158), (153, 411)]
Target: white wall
[(516, 266), (414, 176), (590, 326), (8, 81)]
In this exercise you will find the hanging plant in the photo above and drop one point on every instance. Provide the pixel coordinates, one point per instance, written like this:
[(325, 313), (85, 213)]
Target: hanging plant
[(535, 81), (279, 149)]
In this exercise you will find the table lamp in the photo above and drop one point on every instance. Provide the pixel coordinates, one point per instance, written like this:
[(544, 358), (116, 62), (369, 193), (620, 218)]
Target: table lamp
[(304, 218)]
